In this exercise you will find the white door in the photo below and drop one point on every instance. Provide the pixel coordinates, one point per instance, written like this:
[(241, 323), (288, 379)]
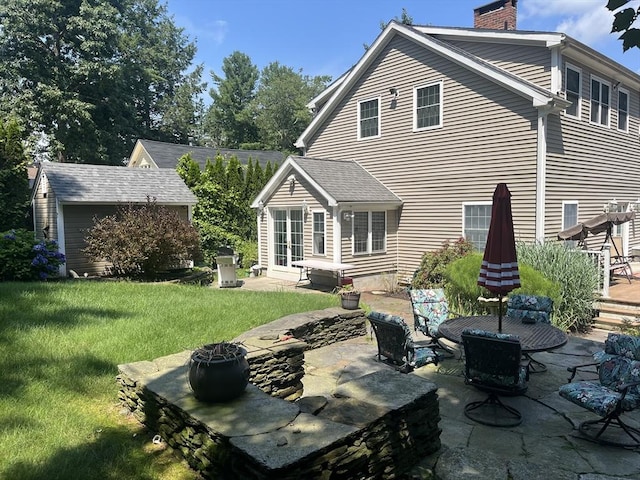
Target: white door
[(287, 237)]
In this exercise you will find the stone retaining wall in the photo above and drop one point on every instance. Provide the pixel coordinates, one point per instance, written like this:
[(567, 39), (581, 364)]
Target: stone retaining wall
[(260, 436)]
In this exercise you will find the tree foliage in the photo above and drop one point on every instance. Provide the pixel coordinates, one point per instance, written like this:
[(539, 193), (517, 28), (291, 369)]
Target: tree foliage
[(92, 77), (14, 182), (281, 104), (623, 21), (142, 240)]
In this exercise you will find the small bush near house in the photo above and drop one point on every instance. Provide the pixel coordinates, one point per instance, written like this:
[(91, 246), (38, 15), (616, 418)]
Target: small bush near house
[(142, 240), (431, 273), (463, 290), (576, 275), (22, 258)]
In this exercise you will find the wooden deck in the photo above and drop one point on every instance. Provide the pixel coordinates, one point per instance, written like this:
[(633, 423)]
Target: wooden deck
[(623, 291)]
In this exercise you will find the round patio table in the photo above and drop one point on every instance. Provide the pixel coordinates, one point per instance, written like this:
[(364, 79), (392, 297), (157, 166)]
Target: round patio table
[(534, 337)]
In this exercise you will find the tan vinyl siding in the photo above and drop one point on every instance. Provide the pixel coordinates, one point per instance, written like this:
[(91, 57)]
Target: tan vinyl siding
[(488, 136), (45, 211), (607, 160), (531, 63)]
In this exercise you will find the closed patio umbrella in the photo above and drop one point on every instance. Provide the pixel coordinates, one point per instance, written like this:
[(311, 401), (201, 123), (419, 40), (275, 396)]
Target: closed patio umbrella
[(499, 271)]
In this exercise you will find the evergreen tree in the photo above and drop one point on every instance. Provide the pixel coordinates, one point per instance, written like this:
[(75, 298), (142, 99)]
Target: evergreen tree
[(14, 182), (235, 175), (189, 170)]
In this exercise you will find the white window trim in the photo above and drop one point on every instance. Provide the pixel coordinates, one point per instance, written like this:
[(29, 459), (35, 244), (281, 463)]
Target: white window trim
[(415, 106), (602, 82), (313, 233), (467, 204), (626, 92), (569, 202), (568, 66), (359, 131), (369, 234)]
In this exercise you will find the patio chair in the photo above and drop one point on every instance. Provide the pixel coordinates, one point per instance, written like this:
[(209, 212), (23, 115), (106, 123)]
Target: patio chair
[(531, 309), (493, 364), (430, 309), (616, 391), (396, 345)]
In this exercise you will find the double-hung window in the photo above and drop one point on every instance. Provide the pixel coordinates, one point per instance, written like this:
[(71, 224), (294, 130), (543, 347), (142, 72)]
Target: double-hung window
[(369, 118), (573, 90), (569, 217), (476, 221), (600, 101), (623, 110), (369, 232), (318, 233), (428, 106)]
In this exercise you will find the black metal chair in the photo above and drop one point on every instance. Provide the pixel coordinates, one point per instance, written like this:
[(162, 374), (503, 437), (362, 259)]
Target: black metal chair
[(430, 309), (493, 364), (396, 345)]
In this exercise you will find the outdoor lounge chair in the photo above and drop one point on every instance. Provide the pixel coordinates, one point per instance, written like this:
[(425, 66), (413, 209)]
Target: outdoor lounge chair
[(531, 309), (616, 392), (430, 309), (396, 345), (493, 364)]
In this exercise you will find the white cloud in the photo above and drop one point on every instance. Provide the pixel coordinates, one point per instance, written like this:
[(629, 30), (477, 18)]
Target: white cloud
[(591, 27)]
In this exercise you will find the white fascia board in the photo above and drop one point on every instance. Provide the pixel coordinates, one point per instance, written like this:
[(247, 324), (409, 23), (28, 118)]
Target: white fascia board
[(280, 176), (511, 37), (327, 91)]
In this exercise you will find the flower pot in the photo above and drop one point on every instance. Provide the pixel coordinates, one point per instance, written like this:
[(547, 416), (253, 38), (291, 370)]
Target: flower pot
[(350, 300), (218, 372)]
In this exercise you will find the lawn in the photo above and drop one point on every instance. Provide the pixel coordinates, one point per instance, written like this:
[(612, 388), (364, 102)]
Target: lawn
[(60, 344)]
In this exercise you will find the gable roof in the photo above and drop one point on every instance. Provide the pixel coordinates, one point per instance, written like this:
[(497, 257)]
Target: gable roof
[(338, 181), (101, 184), (166, 155), (539, 97)]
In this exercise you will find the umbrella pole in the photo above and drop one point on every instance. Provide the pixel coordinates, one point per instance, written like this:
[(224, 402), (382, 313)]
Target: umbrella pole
[(499, 313)]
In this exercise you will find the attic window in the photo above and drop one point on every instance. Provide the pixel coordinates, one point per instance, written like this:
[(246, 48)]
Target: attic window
[(369, 118), (44, 187)]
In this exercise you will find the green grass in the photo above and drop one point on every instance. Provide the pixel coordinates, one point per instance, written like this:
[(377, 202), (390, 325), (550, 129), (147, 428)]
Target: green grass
[(60, 344)]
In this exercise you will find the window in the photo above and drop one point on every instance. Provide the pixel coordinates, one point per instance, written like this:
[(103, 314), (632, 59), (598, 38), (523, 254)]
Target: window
[(369, 118), (318, 233), (428, 107), (369, 232), (600, 101), (623, 110), (573, 90), (477, 218), (569, 214)]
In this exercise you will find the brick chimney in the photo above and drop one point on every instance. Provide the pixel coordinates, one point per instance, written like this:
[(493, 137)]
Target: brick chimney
[(499, 15)]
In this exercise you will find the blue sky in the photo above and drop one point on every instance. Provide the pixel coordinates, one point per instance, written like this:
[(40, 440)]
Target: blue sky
[(327, 37)]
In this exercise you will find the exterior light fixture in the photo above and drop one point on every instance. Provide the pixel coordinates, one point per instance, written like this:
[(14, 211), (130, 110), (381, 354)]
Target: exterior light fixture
[(347, 216)]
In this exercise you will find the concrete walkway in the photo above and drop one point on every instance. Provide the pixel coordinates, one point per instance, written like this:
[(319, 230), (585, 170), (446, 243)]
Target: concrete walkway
[(545, 446)]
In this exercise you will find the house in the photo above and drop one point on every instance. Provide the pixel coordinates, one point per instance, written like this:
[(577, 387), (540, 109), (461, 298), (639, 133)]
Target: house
[(439, 116), (66, 197), (153, 154)]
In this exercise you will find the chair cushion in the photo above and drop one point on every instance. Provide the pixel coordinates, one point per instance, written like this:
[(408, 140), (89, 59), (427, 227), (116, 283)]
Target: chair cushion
[(488, 334), (617, 371), (430, 309), (624, 345), (531, 308), (500, 380), (597, 398), (424, 355)]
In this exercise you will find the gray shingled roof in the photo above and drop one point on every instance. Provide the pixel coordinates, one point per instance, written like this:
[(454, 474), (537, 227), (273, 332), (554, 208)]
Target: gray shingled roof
[(346, 180), (81, 183), (166, 155)]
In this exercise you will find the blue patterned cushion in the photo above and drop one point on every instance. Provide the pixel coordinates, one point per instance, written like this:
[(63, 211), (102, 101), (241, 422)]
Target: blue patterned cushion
[(487, 334), (530, 308), (423, 356), (624, 345), (430, 309)]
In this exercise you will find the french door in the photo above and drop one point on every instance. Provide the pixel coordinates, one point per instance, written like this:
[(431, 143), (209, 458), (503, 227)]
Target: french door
[(287, 236)]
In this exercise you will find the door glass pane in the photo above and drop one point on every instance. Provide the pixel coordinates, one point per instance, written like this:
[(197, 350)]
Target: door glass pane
[(297, 252), (360, 232), (280, 237)]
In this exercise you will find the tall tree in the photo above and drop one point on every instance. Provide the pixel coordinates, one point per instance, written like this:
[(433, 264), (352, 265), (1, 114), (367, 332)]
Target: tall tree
[(14, 183), (623, 22), (280, 104), (229, 121), (90, 76)]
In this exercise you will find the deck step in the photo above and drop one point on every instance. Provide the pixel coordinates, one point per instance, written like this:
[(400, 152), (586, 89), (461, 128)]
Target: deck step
[(612, 314)]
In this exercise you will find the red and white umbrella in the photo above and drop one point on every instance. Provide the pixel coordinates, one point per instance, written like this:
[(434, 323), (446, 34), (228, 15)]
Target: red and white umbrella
[(499, 271)]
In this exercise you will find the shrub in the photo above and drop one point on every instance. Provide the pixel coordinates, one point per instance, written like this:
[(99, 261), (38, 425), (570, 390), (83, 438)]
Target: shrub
[(22, 258), (576, 275), (462, 287), (142, 240), (431, 273)]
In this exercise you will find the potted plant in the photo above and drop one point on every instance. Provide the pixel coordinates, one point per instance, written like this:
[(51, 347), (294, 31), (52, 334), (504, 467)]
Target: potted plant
[(349, 297), (218, 372)]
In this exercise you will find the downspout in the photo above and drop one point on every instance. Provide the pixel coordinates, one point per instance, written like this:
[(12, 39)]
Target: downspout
[(541, 175)]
